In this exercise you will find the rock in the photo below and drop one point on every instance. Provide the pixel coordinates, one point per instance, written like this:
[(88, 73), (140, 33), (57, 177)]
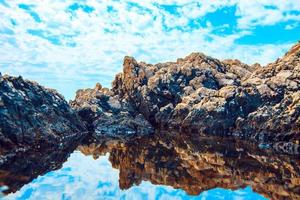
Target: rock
[(32, 116), (107, 116), (98, 86), (204, 95)]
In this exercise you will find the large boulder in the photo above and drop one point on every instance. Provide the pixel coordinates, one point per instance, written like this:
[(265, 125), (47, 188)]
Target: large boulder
[(32, 116), (204, 95)]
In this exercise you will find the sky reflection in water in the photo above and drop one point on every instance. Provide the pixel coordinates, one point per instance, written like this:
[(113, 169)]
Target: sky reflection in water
[(82, 177)]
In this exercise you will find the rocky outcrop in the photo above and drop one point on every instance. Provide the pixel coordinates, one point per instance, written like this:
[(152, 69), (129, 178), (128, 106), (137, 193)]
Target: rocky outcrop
[(107, 116), (32, 116), (197, 164), (203, 95)]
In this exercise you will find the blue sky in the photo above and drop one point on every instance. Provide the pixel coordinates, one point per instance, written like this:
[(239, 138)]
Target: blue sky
[(67, 45)]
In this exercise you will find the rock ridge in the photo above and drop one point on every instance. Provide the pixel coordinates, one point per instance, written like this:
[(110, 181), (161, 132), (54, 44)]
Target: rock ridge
[(202, 95)]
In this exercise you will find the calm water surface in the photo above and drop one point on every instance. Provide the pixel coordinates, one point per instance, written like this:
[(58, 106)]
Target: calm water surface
[(83, 177), (150, 168)]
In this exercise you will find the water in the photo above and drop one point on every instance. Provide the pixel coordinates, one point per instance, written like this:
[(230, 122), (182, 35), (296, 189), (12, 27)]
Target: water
[(151, 168), (82, 177)]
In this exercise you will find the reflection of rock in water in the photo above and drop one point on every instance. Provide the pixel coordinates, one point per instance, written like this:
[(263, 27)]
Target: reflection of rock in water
[(22, 168), (199, 165)]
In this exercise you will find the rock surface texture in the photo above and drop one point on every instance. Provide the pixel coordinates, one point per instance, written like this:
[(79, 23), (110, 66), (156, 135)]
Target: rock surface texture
[(202, 95), (34, 116), (108, 116)]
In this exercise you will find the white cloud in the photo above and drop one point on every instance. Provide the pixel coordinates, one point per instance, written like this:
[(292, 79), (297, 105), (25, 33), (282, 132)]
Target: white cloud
[(291, 26), (92, 45), (266, 12)]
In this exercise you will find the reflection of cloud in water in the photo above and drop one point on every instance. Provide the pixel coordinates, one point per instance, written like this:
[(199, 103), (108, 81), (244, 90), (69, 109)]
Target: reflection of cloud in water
[(82, 177)]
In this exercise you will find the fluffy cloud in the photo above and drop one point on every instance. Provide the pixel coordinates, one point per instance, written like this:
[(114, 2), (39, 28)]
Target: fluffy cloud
[(266, 12), (69, 45)]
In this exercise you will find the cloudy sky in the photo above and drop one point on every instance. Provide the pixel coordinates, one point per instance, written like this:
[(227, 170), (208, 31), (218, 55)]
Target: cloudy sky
[(68, 45)]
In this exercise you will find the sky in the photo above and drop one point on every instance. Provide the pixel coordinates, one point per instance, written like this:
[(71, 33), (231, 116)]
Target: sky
[(82, 177), (69, 45)]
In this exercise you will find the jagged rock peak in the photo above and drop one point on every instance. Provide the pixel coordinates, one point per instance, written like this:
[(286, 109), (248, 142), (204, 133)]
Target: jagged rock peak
[(128, 60), (202, 94), (98, 86), (197, 56), (294, 51)]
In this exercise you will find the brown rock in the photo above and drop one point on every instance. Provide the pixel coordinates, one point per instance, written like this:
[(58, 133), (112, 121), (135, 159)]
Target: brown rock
[(227, 98)]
